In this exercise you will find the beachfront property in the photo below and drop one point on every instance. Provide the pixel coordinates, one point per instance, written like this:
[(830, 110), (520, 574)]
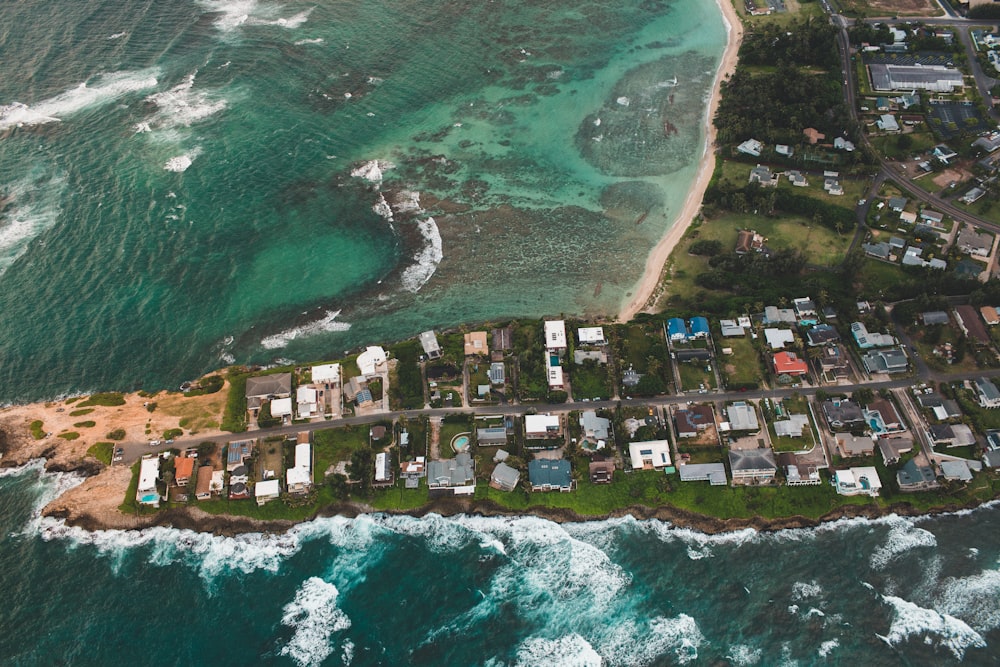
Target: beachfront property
[(986, 393), (601, 471), (149, 473), (237, 453), (504, 478), (263, 388), (748, 240), (742, 417), (183, 470), (933, 78), (326, 380), (452, 476), (412, 471), (555, 336), (677, 330), (751, 147), (550, 475), (429, 342), (475, 344), (649, 454), (591, 336), (203, 486), (797, 473), (912, 477), (298, 478), (372, 361), (542, 426), (713, 473), (752, 465), (383, 475), (266, 491), (699, 327), (843, 414), (857, 481)]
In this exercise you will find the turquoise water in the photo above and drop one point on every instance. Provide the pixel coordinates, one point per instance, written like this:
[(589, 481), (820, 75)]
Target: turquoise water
[(190, 183), (514, 591), (461, 443)]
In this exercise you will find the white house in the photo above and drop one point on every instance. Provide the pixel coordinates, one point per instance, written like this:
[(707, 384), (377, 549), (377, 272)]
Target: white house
[(298, 479), (370, 359), (751, 147), (778, 338), (281, 407), (541, 426), (555, 335), (326, 374), (555, 376), (857, 481), (149, 472), (653, 454), (266, 490), (591, 336), (306, 400)]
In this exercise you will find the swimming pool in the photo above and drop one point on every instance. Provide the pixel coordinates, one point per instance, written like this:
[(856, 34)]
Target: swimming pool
[(150, 498), (460, 443)]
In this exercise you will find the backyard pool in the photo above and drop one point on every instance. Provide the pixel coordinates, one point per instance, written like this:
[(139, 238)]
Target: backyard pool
[(460, 443), (150, 497)]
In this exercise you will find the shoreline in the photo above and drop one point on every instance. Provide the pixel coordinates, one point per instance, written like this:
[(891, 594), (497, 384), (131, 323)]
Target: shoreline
[(660, 253)]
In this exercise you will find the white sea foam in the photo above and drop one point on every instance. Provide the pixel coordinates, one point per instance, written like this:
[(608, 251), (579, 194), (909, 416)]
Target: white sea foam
[(903, 536), (372, 171), (426, 260), (304, 42), (117, 35), (803, 591), (943, 630), (632, 644), (382, 208), (33, 209), (99, 90), (182, 106), (180, 163), (48, 486), (407, 201), (315, 617), (973, 598), (327, 323), (347, 652), (742, 655), (826, 648), (623, 101), (569, 651)]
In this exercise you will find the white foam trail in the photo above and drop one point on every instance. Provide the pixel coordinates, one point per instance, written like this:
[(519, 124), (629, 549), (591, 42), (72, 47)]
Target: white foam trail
[(315, 617), (427, 259), (569, 651), (743, 655), (117, 35), (33, 210), (382, 208), (973, 598), (826, 648), (327, 323), (48, 486), (372, 171), (633, 644), (903, 536), (236, 13), (182, 106), (99, 90), (912, 620), (304, 42), (180, 163)]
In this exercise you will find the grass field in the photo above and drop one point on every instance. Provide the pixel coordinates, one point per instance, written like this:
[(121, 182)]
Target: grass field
[(102, 451), (743, 365), (336, 444), (591, 381), (693, 374)]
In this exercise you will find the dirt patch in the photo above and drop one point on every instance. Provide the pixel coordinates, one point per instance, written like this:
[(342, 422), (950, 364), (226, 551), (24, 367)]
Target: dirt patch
[(944, 178)]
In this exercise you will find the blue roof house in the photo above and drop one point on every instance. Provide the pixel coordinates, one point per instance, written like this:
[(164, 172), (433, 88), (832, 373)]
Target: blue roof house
[(699, 327), (677, 330)]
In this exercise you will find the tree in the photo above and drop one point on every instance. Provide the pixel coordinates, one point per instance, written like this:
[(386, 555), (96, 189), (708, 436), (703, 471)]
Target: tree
[(864, 396), (360, 469)]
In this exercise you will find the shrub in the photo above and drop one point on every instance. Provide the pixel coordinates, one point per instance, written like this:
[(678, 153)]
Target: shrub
[(172, 433), (80, 413), (117, 434), (86, 424), (69, 435), (208, 385), (36, 430), (150, 406), (107, 399)]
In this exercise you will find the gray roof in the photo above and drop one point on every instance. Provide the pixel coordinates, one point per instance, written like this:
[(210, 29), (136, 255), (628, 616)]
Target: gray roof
[(956, 470), (842, 412), (880, 250), (715, 473), (934, 317), (793, 426), (897, 202), (911, 474), (269, 385), (821, 334), (550, 472), (505, 476), (493, 434), (986, 387), (591, 423), (742, 416), (428, 340), (885, 361), (450, 472), (752, 459), (992, 458)]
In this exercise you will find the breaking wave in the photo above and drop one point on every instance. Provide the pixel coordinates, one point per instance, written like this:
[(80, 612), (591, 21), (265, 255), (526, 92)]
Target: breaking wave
[(942, 630), (328, 323), (427, 258), (236, 13), (315, 617), (182, 106), (33, 209)]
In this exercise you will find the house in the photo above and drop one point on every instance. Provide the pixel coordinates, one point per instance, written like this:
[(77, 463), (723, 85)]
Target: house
[(933, 78), (497, 373), (752, 464), (455, 474), (941, 407), (541, 426), (968, 321), (412, 471), (555, 375), (951, 435), (265, 387), (987, 393), (299, 478), (857, 481), (747, 240), (699, 327), (956, 470), (893, 448), (885, 361), (550, 475), (896, 243), (842, 144), (591, 336), (843, 414), (677, 330), (555, 335), (594, 427), (237, 452), (798, 474), (913, 477), (266, 491), (879, 250), (713, 473), (792, 427), (866, 339), (813, 135), (501, 338), (988, 143), (326, 374), (804, 307), (833, 187), (972, 242), (775, 315), (932, 217), (183, 469), (912, 257), (990, 315), (973, 195), (742, 416), (650, 454), (504, 478), (887, 123), (751, 147), (926, 232), (882, 104), (934, 317), (369, 360), (778, 338), (944, 154), (784, 149), (852, 445), (429, 341), (306, 401), (489, 437), (834, 360), (822, 334), (203, 487), (475, 343), (885, 415), (693, 420), (281, 407), (149, 472), (763, 176), (601, 472), (908, 217), (238, 490), (796, 178), (788, 363), (991, 458), (730, 329)]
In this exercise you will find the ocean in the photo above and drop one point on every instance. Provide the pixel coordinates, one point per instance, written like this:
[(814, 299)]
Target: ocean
[(203, 182), (394, 590)]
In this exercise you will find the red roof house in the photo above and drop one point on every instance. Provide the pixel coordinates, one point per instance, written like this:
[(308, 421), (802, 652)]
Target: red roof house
[(788, 363)]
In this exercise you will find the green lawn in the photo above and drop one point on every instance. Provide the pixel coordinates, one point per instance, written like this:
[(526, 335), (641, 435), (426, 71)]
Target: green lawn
[(591, 381), (742, 367), (102, 451), (452, 426), (336, 444), (693, 374)]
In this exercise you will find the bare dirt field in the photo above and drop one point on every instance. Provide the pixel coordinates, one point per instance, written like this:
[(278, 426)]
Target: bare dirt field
[(948, 176)]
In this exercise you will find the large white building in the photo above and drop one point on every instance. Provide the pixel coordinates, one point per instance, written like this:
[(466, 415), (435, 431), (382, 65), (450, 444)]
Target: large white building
[(369, 359), (555, 335), (933, 78)]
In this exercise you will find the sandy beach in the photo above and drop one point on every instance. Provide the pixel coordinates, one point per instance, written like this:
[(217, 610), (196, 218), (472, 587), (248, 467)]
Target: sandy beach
[(645, 289)]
